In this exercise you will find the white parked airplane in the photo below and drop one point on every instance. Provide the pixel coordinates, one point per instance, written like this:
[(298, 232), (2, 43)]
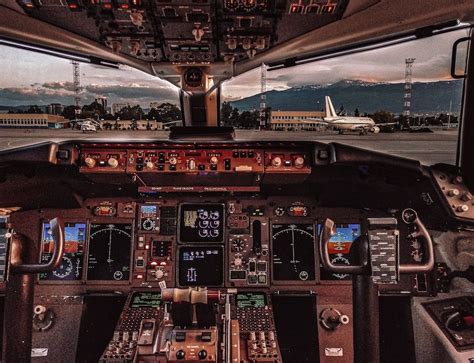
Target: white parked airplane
[(348, 123)]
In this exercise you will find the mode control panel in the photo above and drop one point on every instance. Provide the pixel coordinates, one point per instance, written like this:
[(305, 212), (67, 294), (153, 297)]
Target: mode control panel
[(209, 160), (99, 159)]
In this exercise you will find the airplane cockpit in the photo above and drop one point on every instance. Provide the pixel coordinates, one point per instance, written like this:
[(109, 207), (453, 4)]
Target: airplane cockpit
[(205, 242)]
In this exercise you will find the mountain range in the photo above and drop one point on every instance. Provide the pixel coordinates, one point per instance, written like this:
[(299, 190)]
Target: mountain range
[(427, 97)]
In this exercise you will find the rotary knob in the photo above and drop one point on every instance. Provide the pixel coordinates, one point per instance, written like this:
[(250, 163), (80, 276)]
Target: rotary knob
[(466, 197), (202, 354), (462, 208), (298, 162), (191, 164), (238, 245), (276, 161), (173, 161), (180, 354), (90, 162), (237, 261), (159, 273), (453, 192), (214, 160), (113, 163)]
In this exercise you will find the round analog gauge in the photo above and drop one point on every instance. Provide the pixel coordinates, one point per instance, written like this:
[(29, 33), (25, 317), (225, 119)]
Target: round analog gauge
[(340, 260), (64, 269), (109, 251), (238, 245), (249, 4), (193, 77), (231, 4), (148, 224), (293, 252), (279, 211)]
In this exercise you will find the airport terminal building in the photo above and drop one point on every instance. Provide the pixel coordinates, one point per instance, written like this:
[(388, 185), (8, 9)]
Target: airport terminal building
[(295, 120), (33, 121)]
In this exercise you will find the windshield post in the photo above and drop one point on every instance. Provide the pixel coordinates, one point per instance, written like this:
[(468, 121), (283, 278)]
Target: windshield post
[(467, 131)]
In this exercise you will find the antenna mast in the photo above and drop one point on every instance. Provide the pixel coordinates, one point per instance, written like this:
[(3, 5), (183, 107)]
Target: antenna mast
[(77, 86), (263, 96), (408, 86)]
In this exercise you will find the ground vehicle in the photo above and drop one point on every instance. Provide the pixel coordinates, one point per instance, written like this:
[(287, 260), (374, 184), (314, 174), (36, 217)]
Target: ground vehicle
[(87, 126), (150, 212)]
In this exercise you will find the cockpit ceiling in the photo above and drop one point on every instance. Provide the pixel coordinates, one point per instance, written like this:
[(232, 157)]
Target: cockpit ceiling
[(187, 31), (227, 36)]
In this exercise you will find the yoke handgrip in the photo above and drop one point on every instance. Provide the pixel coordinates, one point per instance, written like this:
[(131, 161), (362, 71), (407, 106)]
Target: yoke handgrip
[(422, 232), (57, 232), (328, 229)]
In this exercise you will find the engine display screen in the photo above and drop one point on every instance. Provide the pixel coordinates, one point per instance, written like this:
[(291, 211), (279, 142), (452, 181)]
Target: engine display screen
[(339, 247), (201, 266), (109, 252), (293, 252), (145, 300), (201, 223), (73, 257), (251, 300)]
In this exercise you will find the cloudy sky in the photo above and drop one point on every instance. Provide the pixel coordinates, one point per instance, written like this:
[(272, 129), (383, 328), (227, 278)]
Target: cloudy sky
[(32, 78)]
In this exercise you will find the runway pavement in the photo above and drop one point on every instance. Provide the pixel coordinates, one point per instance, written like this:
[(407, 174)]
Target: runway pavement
[(429, 148)]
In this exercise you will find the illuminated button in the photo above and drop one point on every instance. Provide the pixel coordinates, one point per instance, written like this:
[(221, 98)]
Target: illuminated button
[(214, 160), (113, 163), (90, 162), (262, 279), (173, 160)]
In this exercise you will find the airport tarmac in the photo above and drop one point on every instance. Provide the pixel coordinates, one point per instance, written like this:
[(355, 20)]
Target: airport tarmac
[(429, 148)]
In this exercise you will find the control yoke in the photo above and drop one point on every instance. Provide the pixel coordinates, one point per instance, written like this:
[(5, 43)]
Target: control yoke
[(409, 216), (57, 233)]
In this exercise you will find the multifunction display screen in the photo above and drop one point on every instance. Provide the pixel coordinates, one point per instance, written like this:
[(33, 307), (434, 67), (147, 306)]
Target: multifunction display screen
[(109, 251), (293, 252), (145, 300), (200, 266), (201, 223), (339, 248), (251, 300), (73, 257)]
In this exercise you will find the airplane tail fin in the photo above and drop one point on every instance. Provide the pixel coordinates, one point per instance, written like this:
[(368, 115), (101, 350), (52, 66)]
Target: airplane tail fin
[(330, 112)]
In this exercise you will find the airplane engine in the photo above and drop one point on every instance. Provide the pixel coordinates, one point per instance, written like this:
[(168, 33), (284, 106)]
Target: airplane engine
[(375, 129)]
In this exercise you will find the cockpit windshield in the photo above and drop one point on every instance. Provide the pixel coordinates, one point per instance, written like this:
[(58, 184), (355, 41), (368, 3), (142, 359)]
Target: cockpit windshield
[(399, 99)]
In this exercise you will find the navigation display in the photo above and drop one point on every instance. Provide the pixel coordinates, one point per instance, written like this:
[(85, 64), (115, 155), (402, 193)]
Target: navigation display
[(200, 266), (73, 257), (145, 300), (109, 252), (251, 300), (339, 248), (201, 223), (293, 252)]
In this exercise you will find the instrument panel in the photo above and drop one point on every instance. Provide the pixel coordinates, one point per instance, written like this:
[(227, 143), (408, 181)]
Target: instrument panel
[(268, 242)]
